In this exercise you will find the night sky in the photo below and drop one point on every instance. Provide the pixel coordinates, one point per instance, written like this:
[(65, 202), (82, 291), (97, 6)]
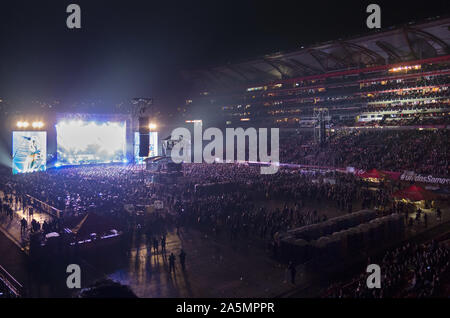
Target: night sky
[(138, 48)]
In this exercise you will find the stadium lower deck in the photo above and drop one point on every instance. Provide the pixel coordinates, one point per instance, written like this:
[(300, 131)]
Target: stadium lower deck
[(230, 220)]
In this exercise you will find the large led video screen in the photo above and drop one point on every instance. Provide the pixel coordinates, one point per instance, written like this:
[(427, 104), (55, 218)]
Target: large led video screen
[(90, 142), (153, 146), (29, 151)]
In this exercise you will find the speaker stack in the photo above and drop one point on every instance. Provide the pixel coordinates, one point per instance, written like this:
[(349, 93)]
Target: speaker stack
[(144, 137)]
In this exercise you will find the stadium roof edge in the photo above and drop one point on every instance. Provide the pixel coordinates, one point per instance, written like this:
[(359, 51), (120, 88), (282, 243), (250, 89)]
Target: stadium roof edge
[(395, 44)]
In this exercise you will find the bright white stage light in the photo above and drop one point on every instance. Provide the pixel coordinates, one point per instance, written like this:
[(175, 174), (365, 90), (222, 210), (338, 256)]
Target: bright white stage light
[(37, 124), (152, 126)]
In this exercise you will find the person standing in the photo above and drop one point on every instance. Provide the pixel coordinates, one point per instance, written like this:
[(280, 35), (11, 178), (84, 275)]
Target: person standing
[(438, 214), (23, 225), (33, 225), (155, 245), (293, 272), (172, 263), (182, 259), (163, 244)]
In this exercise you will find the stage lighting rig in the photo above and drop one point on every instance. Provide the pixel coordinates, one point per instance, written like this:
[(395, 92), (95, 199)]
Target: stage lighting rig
[(26, 124), (22, 124), (142, 104), (37, 124)]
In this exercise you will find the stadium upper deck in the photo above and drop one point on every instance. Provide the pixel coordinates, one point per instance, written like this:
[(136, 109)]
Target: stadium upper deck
[(400, 73)]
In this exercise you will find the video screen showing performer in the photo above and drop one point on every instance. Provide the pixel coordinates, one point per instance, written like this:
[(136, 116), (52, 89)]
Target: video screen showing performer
[(29, 151)]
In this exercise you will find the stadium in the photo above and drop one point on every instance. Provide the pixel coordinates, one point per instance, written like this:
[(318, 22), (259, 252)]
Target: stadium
[(362, 178), (392, 77)]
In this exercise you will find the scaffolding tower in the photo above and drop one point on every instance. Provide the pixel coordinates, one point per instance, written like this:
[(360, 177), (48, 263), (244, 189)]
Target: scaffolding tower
[(322, 119)]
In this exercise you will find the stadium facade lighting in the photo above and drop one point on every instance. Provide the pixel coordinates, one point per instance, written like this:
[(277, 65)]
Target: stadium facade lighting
[(405, 68)]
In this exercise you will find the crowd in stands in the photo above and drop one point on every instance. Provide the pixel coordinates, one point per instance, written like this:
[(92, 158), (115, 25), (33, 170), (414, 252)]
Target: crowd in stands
[(398, 94), (417, 83), (424, 152), (436, 105), (411, 95), (410, 271), (431, 119)]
